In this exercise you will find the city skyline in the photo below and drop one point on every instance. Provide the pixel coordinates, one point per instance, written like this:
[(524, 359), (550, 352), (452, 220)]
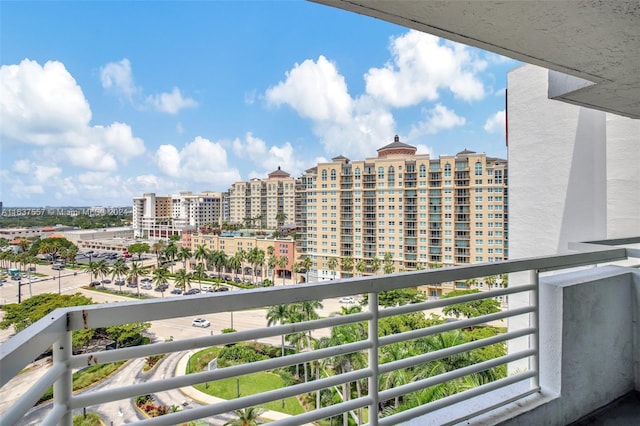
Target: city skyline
[(102, 101)]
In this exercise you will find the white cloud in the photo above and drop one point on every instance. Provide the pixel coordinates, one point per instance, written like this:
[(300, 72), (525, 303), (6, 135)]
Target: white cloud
[(200, 161), (171, 103), (41, 104), (315, 90), (424, 149), (44, 106), (422, 66), (269, 159), (117, 76), (352, 127), (438, 118), (496, 123)]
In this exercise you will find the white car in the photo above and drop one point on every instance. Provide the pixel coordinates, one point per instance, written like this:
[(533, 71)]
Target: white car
[(347, 299), (200, 322), (146, 286)]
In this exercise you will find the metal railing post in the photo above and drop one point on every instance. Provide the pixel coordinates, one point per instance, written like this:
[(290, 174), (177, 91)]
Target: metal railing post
[(373, 359), (534, 364), (63, 387)]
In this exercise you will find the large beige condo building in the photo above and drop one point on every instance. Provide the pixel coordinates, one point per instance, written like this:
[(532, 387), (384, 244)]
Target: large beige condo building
[(264, 203), (163, 216), (415, 211)]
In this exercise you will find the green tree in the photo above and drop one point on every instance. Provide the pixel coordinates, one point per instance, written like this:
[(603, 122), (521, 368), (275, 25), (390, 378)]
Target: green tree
[(198, 272), (361, 267), (471, 309), (283, 261), (278, 314), (246, 417), (346, 265), (119, 269), (22, 315), (235, 263), (201, 253), (138, 248), (376, 263), (332, 264), (161, 277), (388, 266), (182, 279), (170, 252), (93, 269), (158, 248), (136, 271), (184, 255), (126, 332), (306, 264)]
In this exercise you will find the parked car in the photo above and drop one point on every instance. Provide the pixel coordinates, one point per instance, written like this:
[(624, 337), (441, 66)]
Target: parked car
[(222, 289), (145, 280), (207, 287), (57, 267), (161, 288), (94, 284), (236, 279), (146, 286), (119, 282), (106, 281), (192, 291), (131, 284), (347, 299), (200, 322), (176, 291)]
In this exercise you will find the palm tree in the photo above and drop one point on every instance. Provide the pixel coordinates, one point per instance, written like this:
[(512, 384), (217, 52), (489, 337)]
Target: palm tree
[(272, 262), (278, 314), (282, 264), (361, 267), (333, 265), (23, 245), (92, 269), (347, 264), (246, 417), (389, 267), (375, 265), (198, 272), (158, 248), (170, 252), (201, 253), (490, 281), (219, 259), (184, 254), (135, 271), (161, 278), (296, 268), (103, 268), (119, 269), (234, 263), (306, 263), (280, 218), (183, 279)]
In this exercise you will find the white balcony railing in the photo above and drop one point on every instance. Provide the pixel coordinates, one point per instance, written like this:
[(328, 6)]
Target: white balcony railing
[(55, 331)]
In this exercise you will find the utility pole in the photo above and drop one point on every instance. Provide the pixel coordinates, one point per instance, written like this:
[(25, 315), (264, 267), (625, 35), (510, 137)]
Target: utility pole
[(59, 285), (19, 293)]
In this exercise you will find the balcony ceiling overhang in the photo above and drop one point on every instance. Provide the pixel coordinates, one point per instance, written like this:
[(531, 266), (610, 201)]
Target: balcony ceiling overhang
[(595, 42)]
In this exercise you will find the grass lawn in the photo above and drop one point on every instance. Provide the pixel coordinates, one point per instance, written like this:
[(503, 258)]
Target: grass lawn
[(87, 377), (249, 384)]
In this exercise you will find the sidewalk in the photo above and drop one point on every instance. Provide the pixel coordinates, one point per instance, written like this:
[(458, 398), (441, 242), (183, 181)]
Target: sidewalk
[(206, 399)]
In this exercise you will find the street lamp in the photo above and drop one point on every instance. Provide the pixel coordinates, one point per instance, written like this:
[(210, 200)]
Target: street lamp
[(59, 285)]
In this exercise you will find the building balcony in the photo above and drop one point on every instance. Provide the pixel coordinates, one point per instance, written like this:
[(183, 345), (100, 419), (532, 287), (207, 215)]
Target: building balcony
[(572, 338)]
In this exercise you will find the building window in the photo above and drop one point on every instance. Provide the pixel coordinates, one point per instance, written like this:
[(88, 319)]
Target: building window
[(478, 168), (423, 171), (447, 169)]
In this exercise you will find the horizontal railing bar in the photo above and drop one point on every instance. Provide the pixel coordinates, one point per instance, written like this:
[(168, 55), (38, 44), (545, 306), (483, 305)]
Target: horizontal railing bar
[(115, 394), (490, 387), (33, 394), (323, 413), (452, 375), (20, 350), (432, 304), (79, 361), (453, 325), (452, 399), (442, 353), (252, 400)]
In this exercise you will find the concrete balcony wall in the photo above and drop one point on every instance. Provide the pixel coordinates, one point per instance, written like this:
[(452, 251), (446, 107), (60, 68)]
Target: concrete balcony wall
[(589, 347)]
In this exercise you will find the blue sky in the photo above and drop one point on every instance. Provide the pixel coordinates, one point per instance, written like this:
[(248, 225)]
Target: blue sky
[(102, 101)]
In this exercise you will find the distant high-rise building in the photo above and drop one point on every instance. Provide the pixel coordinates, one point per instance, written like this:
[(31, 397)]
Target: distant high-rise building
[(163, 216), (406, 208), (264, 203)]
